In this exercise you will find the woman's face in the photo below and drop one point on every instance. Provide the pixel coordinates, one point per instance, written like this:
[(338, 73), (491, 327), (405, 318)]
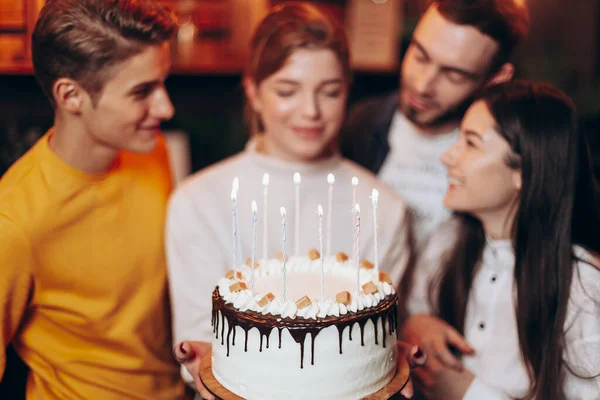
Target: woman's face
[(302, 105), (479, 180)]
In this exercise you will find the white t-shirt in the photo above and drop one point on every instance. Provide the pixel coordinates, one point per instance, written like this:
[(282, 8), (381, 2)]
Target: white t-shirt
[(491, 325), (413, 168), (199, 243)]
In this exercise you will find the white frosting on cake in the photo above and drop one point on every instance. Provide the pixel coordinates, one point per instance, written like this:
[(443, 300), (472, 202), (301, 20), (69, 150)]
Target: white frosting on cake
[(242, 362), (303, 279)]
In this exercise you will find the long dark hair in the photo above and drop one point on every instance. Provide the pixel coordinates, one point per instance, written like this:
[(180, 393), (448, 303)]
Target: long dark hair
[(539, 123)]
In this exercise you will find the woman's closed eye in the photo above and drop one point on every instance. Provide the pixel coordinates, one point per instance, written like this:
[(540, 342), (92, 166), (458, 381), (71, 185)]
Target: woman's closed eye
[(285, 92)]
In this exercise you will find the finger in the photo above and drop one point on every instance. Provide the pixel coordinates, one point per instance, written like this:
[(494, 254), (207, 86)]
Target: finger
[(184, 353), (457, 340), (404, 348), (446, 357), (202, 389), (408, 391), (417, 357)]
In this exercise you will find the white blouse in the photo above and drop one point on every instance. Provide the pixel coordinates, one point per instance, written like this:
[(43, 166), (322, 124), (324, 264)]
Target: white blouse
[(491, 324)]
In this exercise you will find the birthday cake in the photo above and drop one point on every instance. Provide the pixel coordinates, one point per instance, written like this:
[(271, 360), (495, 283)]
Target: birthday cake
[(304, 329)]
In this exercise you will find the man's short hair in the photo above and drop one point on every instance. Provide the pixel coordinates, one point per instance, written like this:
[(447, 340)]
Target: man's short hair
[(85, 39), (505, 21)]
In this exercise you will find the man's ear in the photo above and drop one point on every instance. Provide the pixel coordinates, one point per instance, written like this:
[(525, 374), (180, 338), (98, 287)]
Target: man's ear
[(251, 90), (68, 95), (504, 74)]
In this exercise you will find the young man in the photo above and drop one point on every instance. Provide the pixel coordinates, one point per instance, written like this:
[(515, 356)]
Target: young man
[(458, 47), (83, 291)]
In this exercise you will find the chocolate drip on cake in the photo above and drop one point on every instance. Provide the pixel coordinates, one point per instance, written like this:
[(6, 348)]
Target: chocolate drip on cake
[(298, 328), (233, 342), (222, 328), (375, 319), (215, 324), (279, 336), (261, 341)]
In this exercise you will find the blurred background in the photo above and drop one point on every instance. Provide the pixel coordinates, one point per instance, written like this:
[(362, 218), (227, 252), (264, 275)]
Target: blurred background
[(211, 46), (208, 55)]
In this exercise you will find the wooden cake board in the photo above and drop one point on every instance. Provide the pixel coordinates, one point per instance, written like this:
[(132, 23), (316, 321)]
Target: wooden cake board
[(390, 390)]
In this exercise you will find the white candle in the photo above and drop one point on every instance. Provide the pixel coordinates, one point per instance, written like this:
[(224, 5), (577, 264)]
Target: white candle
[(375, 198), (354, 185), (320, 212), (331, 181), (297, 180), (265, 182), (233, 216), (254, 209), (236, 186), (283, 240), (357, 213)]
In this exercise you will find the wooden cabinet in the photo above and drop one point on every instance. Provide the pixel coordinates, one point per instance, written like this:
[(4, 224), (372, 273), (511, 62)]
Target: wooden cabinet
[(17, 18), (213, 35)]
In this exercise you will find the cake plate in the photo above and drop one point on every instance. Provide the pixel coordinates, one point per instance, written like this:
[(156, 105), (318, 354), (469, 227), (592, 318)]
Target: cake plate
[(391, 390)]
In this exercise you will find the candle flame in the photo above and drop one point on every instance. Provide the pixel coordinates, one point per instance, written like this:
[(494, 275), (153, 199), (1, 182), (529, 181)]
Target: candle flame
[(282, 210), (354, 181), (265, 181), (320, 210), (254, 207), (297, 178), (236, 184), (233, 194), (330, 179), (375, 196), (356, 208)]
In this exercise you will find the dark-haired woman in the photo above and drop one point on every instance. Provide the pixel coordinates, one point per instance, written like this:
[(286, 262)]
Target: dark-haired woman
[(506, 300)]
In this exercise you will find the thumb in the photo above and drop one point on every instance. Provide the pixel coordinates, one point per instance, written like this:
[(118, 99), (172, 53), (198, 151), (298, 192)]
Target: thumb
[(408, 391), (184, 353), (189, 354)]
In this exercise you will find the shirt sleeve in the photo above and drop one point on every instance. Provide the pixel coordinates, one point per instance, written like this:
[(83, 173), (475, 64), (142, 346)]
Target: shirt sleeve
[(582, 326), (428, 265), (193, 260), (16, 261), (479, 390)]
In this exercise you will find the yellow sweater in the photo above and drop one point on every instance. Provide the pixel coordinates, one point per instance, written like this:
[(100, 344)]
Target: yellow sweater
[(83, 291)]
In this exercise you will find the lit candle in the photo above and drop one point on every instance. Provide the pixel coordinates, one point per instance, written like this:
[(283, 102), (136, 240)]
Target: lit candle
[(265, 182), (331, 181), (297, 180), (354, 185), (357, 213), (236, 186), (375, 198), (320, 212), (283, 223), (254, 209), (233, 216)]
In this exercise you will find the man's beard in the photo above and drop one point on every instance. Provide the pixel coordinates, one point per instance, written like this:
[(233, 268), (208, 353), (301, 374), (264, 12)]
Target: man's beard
[(452, 115)]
